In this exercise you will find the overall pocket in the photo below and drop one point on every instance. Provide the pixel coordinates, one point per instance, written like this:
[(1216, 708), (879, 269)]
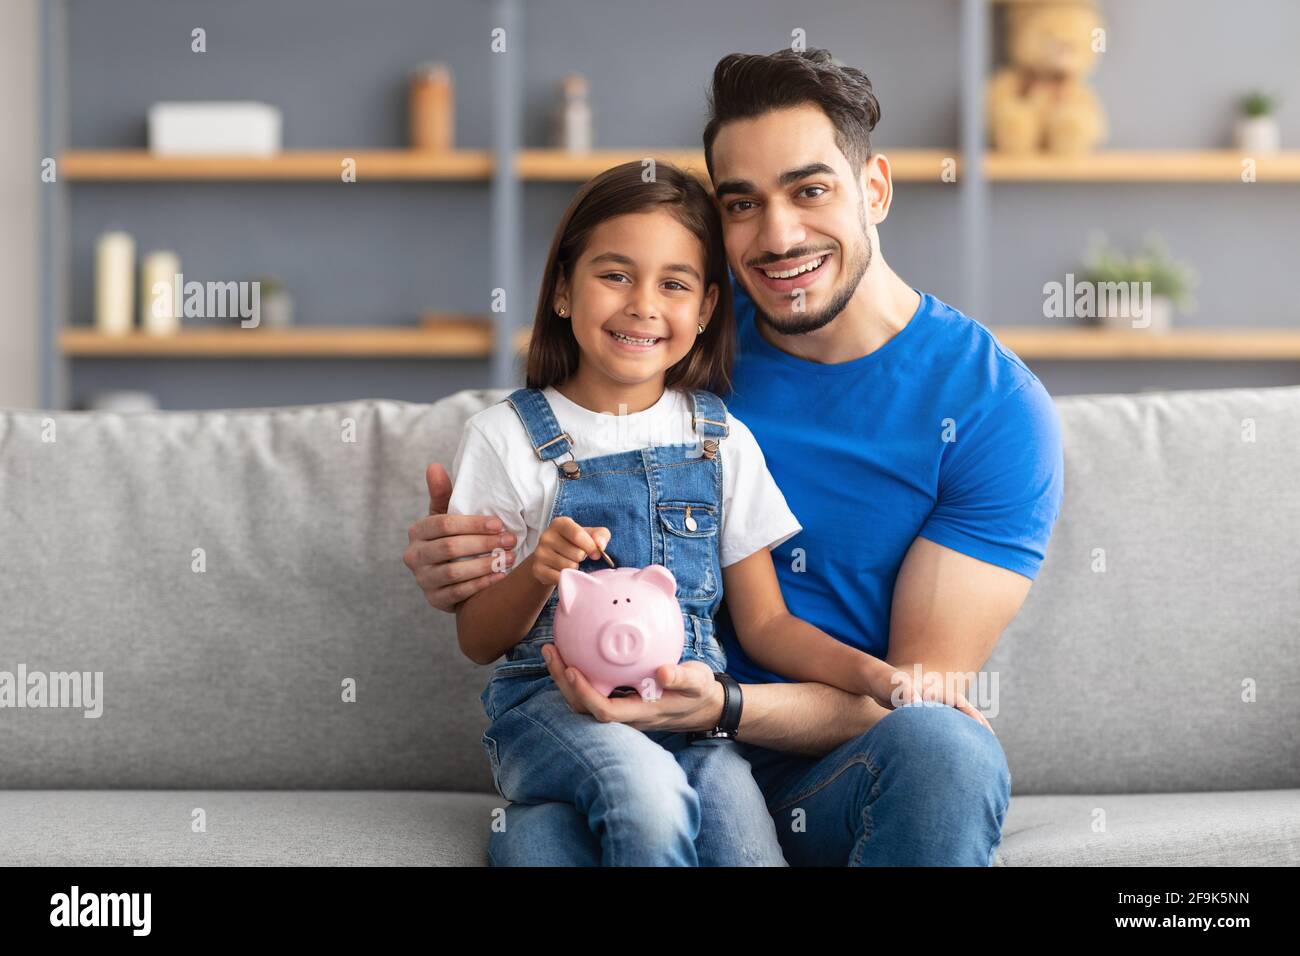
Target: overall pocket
[(691, 547)]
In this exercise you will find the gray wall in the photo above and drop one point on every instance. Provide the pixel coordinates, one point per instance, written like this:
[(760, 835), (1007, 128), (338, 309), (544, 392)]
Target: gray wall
[(19, 205), (382, 253)]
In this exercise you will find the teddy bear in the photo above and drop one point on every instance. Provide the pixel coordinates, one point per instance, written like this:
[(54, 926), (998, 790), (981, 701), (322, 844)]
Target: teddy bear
[(1040, 100)]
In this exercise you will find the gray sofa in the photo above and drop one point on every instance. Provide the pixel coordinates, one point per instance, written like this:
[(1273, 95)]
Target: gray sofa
[(232, 574)]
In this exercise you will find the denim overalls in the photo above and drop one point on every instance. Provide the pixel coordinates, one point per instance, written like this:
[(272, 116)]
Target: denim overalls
[(646, 794)]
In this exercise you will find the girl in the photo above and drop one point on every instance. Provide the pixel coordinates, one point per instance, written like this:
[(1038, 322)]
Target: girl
[(634, 317)]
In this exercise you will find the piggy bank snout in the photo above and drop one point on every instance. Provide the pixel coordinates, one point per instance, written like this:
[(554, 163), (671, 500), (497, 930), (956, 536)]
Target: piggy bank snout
[(622, 642)]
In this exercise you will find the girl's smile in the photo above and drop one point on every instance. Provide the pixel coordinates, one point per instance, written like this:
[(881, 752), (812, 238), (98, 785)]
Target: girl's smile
[(632, 342)]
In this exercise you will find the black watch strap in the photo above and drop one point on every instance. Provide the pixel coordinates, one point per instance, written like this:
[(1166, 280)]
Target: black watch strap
[(729, 722)]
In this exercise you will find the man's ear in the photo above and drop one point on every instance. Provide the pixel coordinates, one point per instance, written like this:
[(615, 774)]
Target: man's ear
[(877, 187)]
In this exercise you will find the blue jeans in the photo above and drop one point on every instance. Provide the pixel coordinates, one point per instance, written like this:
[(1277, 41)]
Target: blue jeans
[(640, 799), (926, 786)]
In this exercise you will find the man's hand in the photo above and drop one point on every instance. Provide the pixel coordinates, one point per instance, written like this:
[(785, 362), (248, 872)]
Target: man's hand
[(435, 541), (691, 698)]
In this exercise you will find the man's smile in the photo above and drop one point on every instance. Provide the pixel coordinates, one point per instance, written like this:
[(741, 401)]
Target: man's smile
[(790, 274)]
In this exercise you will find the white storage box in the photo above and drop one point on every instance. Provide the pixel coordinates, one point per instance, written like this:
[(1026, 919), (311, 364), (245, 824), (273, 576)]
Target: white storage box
[(179, 129)]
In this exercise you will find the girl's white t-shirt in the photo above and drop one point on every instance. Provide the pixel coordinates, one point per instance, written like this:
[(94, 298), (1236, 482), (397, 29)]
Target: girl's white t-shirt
[(496, 471)]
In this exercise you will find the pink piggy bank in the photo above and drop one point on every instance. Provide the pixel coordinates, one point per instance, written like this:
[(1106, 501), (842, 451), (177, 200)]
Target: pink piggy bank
[(619, 625)]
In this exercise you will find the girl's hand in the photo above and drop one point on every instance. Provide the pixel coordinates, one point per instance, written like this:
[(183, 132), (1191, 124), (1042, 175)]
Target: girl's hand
[(564, 545), (891, 688), (886, 685)]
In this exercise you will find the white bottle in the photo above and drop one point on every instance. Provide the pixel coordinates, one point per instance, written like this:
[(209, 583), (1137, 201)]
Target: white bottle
[(575, 115), (114, 283), (158, 294)]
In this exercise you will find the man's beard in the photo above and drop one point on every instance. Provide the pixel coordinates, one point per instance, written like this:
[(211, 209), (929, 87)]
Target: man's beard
[(801, 323)]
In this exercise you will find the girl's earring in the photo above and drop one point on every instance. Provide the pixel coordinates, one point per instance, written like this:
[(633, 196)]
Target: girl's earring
[(561, 310), (700, 327)]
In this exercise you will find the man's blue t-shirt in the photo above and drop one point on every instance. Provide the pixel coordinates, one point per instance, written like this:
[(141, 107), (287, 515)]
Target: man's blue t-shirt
[(940, 433)]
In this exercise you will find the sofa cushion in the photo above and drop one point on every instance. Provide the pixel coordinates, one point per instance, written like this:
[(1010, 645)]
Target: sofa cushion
[(1230, 828), (232, 677), (1171, 666), (244, 828)]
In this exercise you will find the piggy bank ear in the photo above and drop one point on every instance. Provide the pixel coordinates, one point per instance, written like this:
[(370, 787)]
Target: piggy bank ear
[(573, 584), (657, 576)]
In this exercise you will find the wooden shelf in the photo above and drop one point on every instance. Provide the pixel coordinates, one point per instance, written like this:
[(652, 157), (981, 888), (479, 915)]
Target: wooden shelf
[(556, 165), (1031, 342), (911, 165), (549, 165), (541, 165), (472, 338), (461, 338), (1169, 166), (322, 164)]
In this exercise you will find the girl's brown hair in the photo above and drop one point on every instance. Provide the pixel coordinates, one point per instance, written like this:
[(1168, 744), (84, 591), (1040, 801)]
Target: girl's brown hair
[(553, 351)]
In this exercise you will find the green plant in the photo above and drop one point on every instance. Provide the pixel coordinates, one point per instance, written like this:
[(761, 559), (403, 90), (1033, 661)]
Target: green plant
[(1258, 103), (269, 285), (1151, 263)]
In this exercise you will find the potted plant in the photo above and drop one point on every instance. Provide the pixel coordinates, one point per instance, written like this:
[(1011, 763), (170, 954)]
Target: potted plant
[(1170, 281), (275, 303), (1256, 130)]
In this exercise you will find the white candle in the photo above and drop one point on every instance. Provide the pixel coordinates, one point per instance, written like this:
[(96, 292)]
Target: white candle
[(157, 309), (114, 283)]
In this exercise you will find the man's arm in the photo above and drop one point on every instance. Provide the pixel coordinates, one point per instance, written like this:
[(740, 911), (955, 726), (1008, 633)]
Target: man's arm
[(810, 719), (971, 566), (949, 610)]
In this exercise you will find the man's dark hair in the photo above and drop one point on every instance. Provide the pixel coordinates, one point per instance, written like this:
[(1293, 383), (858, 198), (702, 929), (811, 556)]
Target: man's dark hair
[(746, 85)]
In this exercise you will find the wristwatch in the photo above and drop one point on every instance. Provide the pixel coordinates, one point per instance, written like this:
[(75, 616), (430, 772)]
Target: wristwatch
[(729, 722)]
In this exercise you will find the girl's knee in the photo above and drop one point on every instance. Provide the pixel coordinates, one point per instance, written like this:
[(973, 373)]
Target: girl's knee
[(650, 794)]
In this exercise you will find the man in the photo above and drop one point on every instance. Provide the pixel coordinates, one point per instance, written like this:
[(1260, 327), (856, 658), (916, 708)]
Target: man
[(922, 458)]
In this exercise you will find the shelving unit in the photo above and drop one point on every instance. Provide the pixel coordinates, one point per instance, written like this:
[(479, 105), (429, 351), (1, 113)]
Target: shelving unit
[(500, 336)]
